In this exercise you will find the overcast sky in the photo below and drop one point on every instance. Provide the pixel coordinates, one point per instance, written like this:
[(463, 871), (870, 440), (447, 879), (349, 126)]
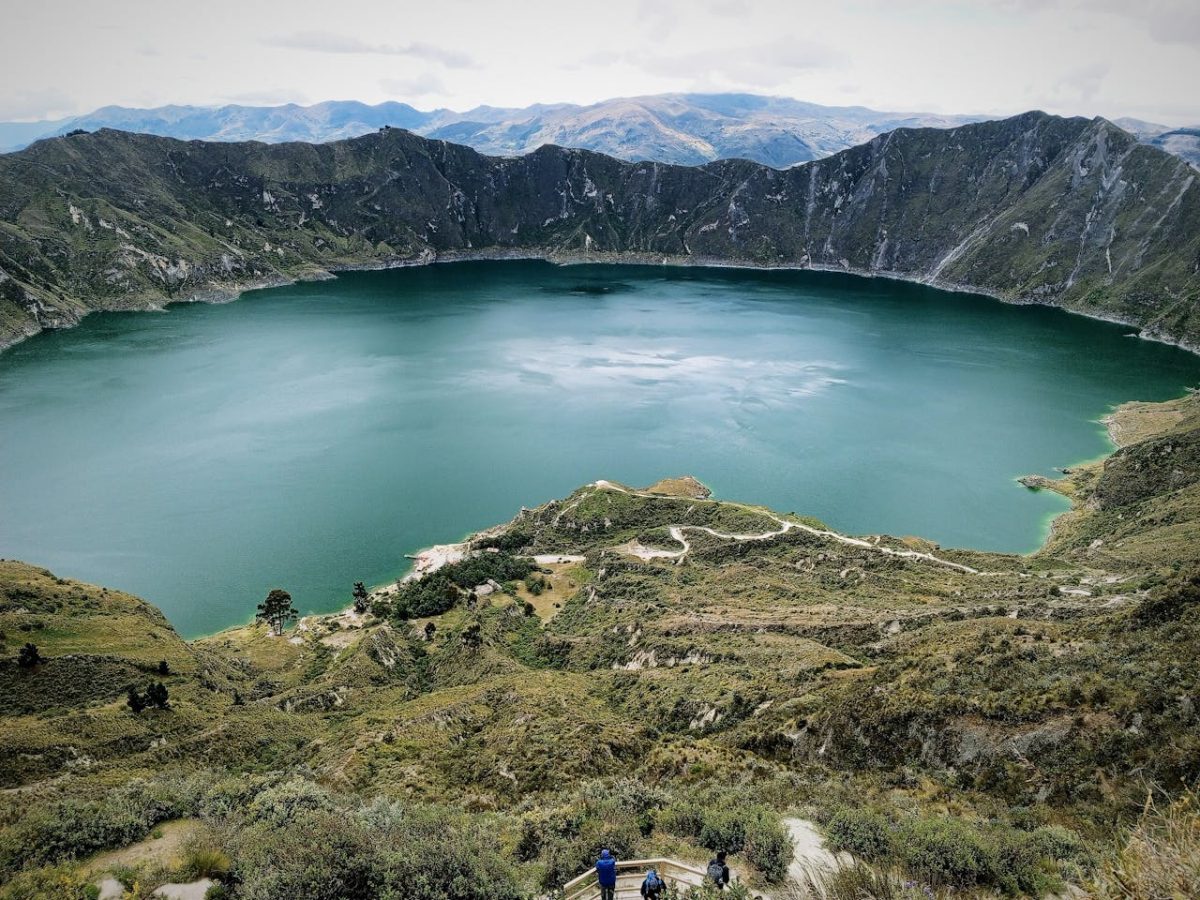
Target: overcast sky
[(1091, 57)]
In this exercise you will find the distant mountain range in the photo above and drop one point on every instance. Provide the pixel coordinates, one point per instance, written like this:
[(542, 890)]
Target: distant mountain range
[(1036, 208), (687, 129), (1181, 142)]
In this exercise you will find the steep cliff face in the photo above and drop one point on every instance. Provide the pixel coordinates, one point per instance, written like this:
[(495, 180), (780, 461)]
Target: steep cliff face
[(1033, 208)]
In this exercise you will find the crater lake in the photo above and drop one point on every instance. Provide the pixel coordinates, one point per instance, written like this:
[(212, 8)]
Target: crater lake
[(310, 436)]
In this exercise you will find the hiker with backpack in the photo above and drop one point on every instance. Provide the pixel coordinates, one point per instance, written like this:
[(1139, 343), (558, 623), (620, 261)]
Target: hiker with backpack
[(653, 886), (606, 875), (718, 872)]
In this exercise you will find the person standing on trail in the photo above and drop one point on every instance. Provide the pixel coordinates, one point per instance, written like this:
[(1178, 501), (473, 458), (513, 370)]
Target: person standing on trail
[(606, 875), (718, 872)]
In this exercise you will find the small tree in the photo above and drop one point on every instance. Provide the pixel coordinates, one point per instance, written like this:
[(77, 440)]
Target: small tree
[(156, 695), (163, 668), (277, 610), (134, 700), (360, 597), (28, 657), (430, 631)]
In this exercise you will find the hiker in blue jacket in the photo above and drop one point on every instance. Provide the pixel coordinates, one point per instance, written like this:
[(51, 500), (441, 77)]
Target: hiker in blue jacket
[(606, 875), (653, 886)]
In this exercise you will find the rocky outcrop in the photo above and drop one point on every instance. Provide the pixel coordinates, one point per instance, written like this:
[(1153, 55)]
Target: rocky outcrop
[(1033, 209)]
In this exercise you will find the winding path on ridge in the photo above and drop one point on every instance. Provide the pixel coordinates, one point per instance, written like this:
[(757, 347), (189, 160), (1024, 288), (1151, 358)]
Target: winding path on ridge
[(785, 525)]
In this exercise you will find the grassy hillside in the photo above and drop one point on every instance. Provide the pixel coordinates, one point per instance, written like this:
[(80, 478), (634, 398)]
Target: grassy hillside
[(689, 671)]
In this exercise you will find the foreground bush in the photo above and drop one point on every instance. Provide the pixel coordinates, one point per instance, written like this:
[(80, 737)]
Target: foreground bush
[(49, 883), (296, 841), (863, 832), (960, 854), (945, 851), (68, 829)]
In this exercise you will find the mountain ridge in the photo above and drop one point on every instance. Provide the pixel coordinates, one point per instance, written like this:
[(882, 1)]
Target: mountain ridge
[(1068, 212), (681, 128), (677, 128)]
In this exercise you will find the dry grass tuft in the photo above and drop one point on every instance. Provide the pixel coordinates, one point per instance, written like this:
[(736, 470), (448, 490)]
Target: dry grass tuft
[(1160, 858)]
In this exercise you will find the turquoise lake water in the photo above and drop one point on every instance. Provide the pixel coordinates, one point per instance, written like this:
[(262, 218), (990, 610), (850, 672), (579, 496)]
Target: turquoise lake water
[(310, 436)]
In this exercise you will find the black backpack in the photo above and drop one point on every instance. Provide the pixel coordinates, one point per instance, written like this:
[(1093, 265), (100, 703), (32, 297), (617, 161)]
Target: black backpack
[(716, 871)]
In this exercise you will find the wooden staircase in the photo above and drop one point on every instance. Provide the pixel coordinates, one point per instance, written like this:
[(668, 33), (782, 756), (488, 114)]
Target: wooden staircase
[(630, 874)]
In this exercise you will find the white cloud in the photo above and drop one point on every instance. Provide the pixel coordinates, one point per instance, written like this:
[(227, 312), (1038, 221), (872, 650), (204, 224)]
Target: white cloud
[(321, 42)]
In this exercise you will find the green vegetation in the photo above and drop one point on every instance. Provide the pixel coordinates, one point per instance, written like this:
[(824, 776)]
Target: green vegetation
[(960, 731), (442, 590), (957, 853)]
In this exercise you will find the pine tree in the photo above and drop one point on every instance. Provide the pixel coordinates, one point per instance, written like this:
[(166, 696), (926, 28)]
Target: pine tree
[(277, 610), (135, 700), (360, 597), (156, 695)]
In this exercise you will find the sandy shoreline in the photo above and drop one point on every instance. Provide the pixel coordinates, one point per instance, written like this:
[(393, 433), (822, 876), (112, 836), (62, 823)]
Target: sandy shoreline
[(426, 562)]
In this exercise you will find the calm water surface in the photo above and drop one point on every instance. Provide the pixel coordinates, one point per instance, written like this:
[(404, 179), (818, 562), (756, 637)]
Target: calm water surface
[(310, 436)]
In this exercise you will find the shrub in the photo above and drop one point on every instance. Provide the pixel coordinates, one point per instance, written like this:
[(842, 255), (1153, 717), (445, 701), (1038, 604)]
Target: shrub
[(1170, 601), (1019, 866), (230, 794), (311, 854), (862, 832), (768, 846), (1059, 843), (385, 851), (49, 883), (945, 851), (67, 829), (280, 805)]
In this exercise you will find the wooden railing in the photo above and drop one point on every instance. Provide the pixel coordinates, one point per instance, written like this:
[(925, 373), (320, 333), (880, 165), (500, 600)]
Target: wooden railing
[(630, 874)]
